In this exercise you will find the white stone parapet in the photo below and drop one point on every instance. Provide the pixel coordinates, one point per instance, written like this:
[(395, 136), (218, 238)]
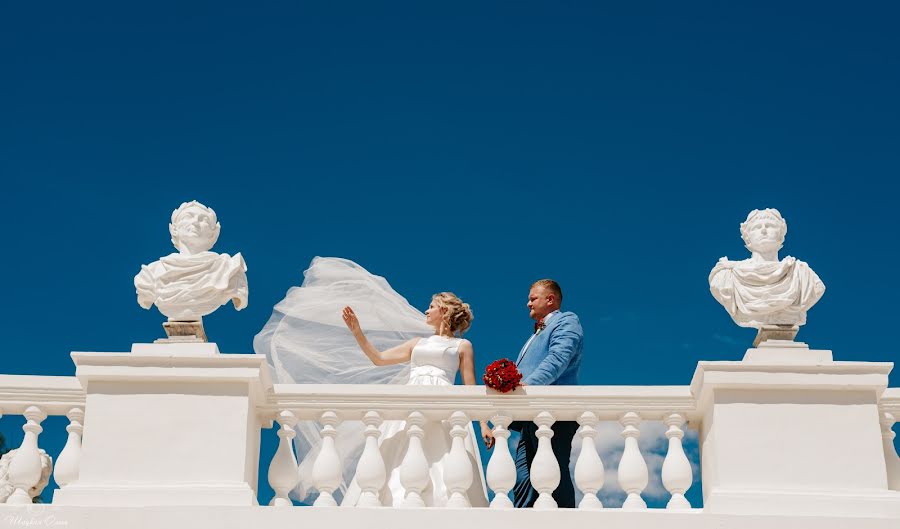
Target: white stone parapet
[(790, 439)]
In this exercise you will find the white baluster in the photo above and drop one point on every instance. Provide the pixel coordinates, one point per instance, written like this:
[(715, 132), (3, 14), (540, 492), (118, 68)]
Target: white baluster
[(544, 471), (458, 471), (25, 467), (69, 460), (283, 476), (326, 473), (370, 471), (677, 475), (501, 469), (589, 472), (632, 471), (892, 461), (414, 474)]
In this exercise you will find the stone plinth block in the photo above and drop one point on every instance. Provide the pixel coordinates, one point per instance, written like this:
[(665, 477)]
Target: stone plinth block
[(787, 352), (804, 439), (175, 349), (169, 429)]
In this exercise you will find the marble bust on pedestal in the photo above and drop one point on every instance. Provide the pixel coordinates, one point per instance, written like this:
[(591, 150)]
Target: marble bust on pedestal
[(193, 282), (764, 292)]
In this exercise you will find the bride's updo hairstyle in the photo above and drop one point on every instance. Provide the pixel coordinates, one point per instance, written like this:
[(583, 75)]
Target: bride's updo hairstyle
[(457, 315)]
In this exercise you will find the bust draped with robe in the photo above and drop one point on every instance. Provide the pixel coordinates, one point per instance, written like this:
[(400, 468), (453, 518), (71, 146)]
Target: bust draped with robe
[(757, 293), (188, 287)]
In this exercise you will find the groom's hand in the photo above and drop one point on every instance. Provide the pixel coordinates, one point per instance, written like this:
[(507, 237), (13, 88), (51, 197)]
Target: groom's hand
[(487, 436)]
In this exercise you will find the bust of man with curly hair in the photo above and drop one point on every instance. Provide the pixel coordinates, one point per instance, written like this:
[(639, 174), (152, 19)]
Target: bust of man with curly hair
[(193, 282), (764, 290)]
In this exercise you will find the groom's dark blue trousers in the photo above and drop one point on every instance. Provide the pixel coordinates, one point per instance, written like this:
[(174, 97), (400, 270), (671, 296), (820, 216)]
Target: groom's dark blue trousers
[(524, 494)]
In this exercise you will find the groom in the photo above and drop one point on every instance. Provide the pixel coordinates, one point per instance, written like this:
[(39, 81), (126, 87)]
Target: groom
[(551, 356)]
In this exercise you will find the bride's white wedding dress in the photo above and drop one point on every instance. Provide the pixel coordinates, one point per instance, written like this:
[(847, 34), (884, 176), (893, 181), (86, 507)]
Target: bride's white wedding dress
[(434, 362), (306, 342)]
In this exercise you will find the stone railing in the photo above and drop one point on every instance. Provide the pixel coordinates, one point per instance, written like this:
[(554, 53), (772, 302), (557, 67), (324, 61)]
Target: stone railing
[(889, 412), (37, 397), (588, 405), (769, 434)]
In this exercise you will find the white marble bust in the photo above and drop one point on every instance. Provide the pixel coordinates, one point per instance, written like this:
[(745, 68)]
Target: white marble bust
[(194, 282), (764, 290)]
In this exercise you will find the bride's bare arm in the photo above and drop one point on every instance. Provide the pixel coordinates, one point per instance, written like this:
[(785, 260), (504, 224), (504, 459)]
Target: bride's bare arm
[(467, 371), (467, 362), (394, 355)]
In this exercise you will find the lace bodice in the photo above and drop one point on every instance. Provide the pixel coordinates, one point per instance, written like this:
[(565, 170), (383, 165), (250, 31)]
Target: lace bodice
[(434, 361)]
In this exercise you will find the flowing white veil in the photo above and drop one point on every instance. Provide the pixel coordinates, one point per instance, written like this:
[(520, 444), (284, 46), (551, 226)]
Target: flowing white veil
[(306, 342)]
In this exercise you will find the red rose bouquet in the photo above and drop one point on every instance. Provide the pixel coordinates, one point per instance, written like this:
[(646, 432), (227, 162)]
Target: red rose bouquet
[(502, 375)]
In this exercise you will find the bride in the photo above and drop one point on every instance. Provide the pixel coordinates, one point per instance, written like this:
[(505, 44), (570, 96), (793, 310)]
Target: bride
[(389, 342)]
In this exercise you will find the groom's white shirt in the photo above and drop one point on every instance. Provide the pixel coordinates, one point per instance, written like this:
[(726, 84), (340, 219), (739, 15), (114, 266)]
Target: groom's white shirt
[(547, 319)]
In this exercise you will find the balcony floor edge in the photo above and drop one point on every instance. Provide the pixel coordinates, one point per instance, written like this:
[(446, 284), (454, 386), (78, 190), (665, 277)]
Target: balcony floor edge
[(200, 517)]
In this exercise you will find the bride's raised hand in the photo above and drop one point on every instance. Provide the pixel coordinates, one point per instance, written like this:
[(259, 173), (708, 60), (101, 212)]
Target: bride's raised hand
[(351, 320)]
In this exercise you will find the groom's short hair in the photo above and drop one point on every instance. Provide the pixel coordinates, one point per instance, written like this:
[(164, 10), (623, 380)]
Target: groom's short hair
[(550, 285)]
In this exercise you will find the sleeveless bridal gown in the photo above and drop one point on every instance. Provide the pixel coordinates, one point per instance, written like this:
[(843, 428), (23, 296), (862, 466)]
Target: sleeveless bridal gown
[(434, 362)]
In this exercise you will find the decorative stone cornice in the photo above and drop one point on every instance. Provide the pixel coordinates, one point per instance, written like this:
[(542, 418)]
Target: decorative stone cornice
[(827, 376), (128, 367)]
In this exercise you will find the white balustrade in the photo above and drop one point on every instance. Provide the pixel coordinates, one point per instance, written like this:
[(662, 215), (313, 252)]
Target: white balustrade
[(66, 470), (25, 467), (544, 405), (283, 476), (326, 473), (458, 472), (414, 474), (677, 475), (633, 475), (589, 471), (892, 461), (501, 469), (674, 406), (370, 471), (544, 471)]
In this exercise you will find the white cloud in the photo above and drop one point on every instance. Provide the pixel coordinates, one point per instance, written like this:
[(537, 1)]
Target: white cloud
[(653, 444)]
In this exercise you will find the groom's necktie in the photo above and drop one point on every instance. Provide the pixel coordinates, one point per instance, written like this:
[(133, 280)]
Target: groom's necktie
[(538, 325)]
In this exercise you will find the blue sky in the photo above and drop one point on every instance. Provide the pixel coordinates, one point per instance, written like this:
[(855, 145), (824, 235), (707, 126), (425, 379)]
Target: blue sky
[(472, 147)]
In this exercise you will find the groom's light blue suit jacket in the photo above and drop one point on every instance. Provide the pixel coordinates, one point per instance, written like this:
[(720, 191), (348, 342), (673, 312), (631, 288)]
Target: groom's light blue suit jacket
[(554, 354)]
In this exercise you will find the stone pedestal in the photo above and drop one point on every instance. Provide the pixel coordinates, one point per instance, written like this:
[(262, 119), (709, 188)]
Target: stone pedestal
[(183, 332), (775, 332), (788, 431), (169, 429)]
